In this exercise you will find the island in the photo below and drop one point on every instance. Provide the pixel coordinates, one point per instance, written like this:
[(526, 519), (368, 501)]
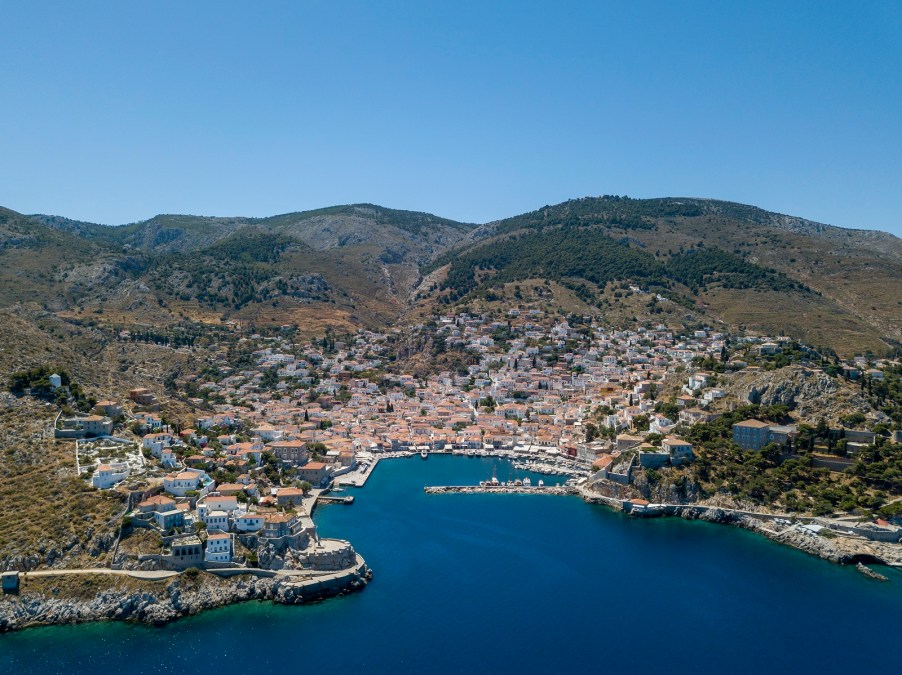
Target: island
[(201, 493)]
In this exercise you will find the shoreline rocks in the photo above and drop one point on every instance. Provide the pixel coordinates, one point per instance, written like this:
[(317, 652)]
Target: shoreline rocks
[(832, 547), (178, 598)]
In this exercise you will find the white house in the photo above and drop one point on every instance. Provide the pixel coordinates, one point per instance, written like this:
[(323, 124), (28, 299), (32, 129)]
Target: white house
[(217, 503), (219, 548), (157, 440), (181, 483), (249, 522), (107, 475), (268, 433), (168, 458), (216, 521)]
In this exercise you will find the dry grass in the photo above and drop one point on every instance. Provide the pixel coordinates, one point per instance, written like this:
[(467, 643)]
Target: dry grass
[(48, 513), (87, 586), (816, 321)]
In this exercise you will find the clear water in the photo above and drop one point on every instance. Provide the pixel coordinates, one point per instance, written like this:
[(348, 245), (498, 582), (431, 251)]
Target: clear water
[(488, 583)]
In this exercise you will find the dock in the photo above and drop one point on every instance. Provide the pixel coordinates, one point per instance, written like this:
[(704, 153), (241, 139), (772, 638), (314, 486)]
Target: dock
[(500, 489), (335, 499)]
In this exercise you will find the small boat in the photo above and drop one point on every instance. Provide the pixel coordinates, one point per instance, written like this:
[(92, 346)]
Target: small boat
[(527, 482), (541, 483), (494, 481), (424, 454)]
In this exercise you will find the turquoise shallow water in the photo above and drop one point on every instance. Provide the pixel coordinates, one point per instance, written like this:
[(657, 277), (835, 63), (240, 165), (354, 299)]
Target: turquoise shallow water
[(489, 583)]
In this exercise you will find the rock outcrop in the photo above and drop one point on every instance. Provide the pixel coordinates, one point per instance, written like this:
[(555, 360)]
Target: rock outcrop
[(810, 394), (157, 604)]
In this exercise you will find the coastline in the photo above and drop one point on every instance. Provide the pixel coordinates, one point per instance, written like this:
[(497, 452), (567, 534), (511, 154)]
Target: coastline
[(160, 600), (837, 550), (786, 529), (782, 528), (157, 602)]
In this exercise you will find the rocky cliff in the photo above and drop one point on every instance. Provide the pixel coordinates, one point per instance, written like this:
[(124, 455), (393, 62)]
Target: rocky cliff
[(58, 600), (810, 394)]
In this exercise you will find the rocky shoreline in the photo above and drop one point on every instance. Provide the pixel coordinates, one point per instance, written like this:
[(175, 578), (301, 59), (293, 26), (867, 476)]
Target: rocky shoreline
[(836, 549), (160, 603), (813, 545)]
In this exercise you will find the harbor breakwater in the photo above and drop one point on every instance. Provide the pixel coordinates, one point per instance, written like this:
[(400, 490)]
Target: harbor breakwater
[(501, 489)]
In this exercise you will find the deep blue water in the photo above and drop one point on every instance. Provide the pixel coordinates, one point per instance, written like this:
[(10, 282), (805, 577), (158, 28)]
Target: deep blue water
[(485, 583)]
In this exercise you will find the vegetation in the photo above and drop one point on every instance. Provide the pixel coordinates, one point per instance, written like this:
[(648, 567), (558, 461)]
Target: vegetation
[(37, 381), (886, 394), (573, 252), (50, 512), (769, 477), (609, 211)]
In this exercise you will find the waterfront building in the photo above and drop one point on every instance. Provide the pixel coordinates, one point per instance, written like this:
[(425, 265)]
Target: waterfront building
[(219, 548)]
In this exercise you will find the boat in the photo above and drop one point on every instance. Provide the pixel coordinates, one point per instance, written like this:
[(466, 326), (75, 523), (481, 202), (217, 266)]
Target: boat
[(527, 482), (424, 454), (541, 483), (494, 481)]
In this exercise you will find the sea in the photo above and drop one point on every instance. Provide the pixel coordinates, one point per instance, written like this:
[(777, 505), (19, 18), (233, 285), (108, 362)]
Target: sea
[(518, 583)]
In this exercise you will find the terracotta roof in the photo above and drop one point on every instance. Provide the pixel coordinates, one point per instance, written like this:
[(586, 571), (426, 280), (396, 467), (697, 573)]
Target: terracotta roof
[(156, 499), (751, 424)]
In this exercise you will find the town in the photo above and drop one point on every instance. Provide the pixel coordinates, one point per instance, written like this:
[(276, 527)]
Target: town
[(291, 423)]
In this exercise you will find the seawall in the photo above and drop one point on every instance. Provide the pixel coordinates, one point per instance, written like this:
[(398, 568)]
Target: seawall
[(500, 489)]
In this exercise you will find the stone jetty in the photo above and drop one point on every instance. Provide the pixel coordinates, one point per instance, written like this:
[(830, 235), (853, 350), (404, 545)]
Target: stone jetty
[(500, 489)]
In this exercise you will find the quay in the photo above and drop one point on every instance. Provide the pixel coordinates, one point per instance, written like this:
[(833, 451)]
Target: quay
[(500, 489), (368, 463), (335, 499)]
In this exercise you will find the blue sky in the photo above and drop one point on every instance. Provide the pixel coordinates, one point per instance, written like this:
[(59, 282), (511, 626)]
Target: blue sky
[(114, 112)]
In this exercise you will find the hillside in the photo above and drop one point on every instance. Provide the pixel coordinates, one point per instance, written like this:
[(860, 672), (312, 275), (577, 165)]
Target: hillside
[(749, 268), (693, 261), (343, 266)]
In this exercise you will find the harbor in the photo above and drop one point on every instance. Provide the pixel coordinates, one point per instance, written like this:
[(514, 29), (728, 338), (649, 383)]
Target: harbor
[(501, 489)]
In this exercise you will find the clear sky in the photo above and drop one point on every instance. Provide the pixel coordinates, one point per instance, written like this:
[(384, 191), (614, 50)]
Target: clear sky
[(113, 112)]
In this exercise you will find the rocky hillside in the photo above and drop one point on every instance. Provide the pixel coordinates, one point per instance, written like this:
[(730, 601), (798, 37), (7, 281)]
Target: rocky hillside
[(345, 266), (365, 265), (811, 395), (747, 267)]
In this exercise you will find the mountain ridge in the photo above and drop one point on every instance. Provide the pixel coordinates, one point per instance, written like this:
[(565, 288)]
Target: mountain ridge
[(367, 264)]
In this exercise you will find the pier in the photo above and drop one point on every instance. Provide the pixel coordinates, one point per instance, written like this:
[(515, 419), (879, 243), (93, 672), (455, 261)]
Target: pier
[(335, 499), (500, 489)]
